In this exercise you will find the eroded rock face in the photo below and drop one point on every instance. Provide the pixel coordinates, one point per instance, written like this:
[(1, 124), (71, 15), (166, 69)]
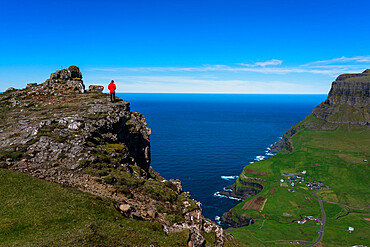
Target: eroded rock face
[(65, 79), (348, 100), (227, 218)]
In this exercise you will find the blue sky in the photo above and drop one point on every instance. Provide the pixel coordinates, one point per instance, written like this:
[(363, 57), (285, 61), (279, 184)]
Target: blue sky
[(186, 46)]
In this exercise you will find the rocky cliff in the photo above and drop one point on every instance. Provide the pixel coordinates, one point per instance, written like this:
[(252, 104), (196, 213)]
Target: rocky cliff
[(348, 102), (62, 133)]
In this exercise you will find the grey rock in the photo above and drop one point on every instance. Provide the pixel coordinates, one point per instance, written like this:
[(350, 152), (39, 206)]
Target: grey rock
[(96, 88), (14, 102), (31, 85)]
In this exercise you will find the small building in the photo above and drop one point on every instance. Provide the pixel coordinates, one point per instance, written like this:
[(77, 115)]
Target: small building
[(282, 180), (292, 184), (303, 172), (302, 221), (351, 229)]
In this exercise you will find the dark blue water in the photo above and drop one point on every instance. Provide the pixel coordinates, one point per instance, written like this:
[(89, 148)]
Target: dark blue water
[(199, 138)]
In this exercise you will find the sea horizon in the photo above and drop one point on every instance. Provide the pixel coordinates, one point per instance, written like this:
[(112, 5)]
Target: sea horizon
[(205, 140)]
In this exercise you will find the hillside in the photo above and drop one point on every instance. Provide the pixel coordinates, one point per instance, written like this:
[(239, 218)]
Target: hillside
[(322, 160), (92, 183)]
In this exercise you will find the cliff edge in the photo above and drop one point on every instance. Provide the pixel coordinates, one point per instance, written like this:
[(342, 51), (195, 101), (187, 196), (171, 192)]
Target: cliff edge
[(61, 132)]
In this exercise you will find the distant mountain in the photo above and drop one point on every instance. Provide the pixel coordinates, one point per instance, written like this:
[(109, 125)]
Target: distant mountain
[(348, 102)]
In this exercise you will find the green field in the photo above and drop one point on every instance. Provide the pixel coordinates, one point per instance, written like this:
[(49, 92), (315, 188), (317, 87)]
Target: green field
[(40, 213), (36, 212), (336, 158)]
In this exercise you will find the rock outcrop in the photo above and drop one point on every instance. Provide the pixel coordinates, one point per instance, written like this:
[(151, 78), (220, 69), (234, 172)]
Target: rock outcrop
[(65, 79), (59, 132)]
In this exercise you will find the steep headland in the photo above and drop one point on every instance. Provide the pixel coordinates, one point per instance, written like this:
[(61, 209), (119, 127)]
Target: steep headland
[(60, 132), (347, 103), (326, 153)]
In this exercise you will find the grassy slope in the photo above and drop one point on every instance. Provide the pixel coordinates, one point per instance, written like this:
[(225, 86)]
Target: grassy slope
[(340, 153), (39, 213)]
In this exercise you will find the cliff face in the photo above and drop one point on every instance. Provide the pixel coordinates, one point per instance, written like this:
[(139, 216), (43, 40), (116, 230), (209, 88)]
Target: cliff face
[(348, 102), (60, 132)]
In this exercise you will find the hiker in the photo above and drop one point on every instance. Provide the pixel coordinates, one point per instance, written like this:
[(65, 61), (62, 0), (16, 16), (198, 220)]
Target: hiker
[(112, 90)]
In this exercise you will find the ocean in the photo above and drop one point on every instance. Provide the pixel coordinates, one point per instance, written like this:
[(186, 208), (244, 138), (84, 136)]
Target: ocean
[(205, 140)]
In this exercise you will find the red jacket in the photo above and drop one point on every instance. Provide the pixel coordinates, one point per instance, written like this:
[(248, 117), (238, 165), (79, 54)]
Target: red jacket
[(112, 87)]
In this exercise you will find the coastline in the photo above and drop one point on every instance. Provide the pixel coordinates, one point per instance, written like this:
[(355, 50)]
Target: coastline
[(231, 192)]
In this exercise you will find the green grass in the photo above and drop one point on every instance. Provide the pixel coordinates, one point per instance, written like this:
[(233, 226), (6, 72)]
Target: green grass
[(39, 213), (340, 153), (358, 79)]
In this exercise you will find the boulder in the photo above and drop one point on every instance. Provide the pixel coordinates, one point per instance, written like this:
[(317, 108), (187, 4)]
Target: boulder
[(96, 88), (125, 208)]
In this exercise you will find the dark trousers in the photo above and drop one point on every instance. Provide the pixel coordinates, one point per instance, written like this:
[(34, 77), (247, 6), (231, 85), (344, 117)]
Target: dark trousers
[(112, 97)]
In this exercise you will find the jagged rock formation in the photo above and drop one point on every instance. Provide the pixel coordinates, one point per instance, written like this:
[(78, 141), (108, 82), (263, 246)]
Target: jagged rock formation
[(59, 132), (66, 79)]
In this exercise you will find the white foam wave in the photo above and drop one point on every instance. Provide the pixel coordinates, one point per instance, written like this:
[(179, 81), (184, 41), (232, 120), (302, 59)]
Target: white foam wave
[(230, 197), (217, 219), (229, 177), (260, 157)]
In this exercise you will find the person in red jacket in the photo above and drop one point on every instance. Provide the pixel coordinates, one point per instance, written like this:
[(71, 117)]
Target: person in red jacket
[(112, 90)]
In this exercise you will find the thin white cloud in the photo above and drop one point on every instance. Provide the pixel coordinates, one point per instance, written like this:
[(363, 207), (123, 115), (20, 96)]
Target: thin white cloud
[(175, 84), (356, 59), (308, 78), (329, 67), (272, 62)]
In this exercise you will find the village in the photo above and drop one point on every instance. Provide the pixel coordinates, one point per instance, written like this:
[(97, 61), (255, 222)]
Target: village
[(305, 218), (295, 179)]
